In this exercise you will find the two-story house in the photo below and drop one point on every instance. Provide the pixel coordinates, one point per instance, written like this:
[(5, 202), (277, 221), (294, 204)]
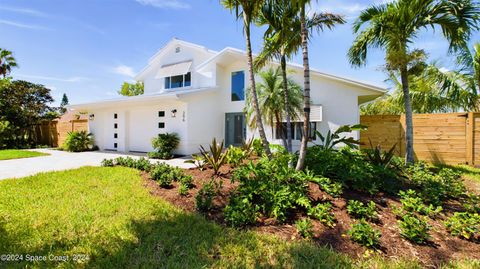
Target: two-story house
[(200, 94)]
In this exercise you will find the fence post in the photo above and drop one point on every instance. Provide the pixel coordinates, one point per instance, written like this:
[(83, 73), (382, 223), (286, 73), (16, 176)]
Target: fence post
[(470, 138)]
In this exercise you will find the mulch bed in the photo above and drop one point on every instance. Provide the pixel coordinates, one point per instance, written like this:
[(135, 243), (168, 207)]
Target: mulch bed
[(442, 248)]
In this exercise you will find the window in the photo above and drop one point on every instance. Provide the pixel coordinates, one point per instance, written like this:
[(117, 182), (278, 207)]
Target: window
[(281, 131), (238, 86), (177, 49), (115, 116), (115, 145), (115, 125), (115, 135), (296, 132), (178, 81), (161, 114), (161, 125)]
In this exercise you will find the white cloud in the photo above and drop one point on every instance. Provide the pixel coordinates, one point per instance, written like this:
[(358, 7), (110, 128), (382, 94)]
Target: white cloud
[(341, 7), (177, 4), (22, 25), (69, 79), (124, 70), (25, 11)]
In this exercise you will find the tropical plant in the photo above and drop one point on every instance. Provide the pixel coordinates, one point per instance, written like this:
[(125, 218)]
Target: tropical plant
[(363, 233), (305, 228), (198, 161), (330, 140), (271, 100), (77, 141), (235, 156), (130, 89), (323, 213), (377, 156), (216, 157), (327, 185), (164, 144), (7, 61), (205, 196), (360, 210), (248, 10), (412, 202), (394, 26), (166, 174), (469, 62), (414, 229), (283, 38), (464, 224), (240, 212)]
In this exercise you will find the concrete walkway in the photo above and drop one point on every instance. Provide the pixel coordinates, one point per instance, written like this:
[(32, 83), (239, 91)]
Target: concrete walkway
[(61, 160)]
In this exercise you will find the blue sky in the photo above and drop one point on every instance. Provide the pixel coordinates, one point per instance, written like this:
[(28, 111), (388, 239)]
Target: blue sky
[(87, 48)]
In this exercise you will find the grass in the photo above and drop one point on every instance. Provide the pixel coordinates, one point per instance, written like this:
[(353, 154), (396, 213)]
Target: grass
[(469, 173), (107, 214), (9, 154)]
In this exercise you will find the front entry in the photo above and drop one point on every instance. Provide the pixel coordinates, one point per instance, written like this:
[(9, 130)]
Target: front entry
[(235, 129)]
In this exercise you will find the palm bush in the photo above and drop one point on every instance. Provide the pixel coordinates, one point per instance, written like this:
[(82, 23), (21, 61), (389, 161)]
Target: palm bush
[(164, 144), (78, 141)]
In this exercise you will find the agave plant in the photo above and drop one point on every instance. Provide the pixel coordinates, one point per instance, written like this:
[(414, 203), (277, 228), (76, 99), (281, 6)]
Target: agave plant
[(332, 139), (216, 157), (377, 156)]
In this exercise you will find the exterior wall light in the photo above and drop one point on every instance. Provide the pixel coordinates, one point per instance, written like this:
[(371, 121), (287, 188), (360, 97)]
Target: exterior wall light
[(174, 113), (91, 117)]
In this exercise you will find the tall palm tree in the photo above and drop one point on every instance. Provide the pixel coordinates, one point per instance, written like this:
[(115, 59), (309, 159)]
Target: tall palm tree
[(282, 39), (7, 61), (270, 97), (394, 26), (248, 11), (470, 68)]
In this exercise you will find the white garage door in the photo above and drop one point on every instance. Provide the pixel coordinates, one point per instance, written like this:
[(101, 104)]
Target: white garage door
[(141, 130)]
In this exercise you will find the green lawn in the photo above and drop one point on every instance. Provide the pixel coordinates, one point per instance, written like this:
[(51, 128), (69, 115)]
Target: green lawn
[(106, 214), (9, 154)]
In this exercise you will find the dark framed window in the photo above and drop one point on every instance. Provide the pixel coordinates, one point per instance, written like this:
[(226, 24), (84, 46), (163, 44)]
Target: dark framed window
[(238, 86), (161, 114), (115, 145), (299, 130), (178, 81), (161, 125), (115, 125), (115, 116), (281, 130), (115, 135)]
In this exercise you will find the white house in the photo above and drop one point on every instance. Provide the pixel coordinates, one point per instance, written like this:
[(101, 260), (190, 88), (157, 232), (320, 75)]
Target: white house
[(199, 94)]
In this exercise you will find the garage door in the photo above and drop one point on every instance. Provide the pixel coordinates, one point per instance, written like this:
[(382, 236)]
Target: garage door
[(141, 130)]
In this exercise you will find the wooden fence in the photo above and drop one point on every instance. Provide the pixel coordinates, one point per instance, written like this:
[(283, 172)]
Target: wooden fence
[(54, 133), (452, 138)]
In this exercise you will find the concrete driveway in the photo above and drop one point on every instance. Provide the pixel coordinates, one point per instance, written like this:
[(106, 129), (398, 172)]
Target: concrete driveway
[(61, 160)]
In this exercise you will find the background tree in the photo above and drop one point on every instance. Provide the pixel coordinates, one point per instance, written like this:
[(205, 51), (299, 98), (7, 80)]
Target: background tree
[(23, 104), (64, 103), (130, 89), (283, 39), (7, 61), (271, 101), (248, 10), (394, 26), (470, 68)]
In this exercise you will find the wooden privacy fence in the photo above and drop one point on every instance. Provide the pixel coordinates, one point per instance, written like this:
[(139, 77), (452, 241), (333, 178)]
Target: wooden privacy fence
[(54, 133), (452, 138)]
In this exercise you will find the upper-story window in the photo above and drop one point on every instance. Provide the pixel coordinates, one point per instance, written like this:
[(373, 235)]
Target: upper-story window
[(178, 81), (238, 86)]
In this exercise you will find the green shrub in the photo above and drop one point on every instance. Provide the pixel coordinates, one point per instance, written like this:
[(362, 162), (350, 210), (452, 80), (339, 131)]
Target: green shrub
[(333, 188), (271, 185), (412, 202), (107, 163), (235, 156), (471, 203), (216, 157), (364, 234), (322, 212), (359, 210), (305, 228), (205, 196), (240, 212), (78, 141), (140, 164), (464, 224), (340, 136), (164, 145), (376, 156), (414, 228), (183, 189), (165, 174), (257, 147)]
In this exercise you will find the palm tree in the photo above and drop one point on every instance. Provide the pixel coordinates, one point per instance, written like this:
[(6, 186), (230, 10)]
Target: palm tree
[(270, 96), (248, 11), (394, 26), (470, 68), (282, 39), (7, 61)]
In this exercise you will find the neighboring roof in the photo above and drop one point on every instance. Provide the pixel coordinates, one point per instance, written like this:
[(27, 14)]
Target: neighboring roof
[(171, 94)]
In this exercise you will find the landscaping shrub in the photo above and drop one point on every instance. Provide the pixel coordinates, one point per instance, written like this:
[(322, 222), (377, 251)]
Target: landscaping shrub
[(471, 203), (359, 210), (216, 157), (141, 164), (333, 188), (271, 185), (183, 190), (164, 144), (235, 156), (364, 234), (165, 174), (107, 163), (257, 147), (464, 224), (322, 212), (240, 212), (78, 141), (412, 202), (414, 228), (205, 196), (304, 228)]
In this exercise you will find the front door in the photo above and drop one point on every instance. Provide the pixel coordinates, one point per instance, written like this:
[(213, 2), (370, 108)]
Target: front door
[(235, 129)]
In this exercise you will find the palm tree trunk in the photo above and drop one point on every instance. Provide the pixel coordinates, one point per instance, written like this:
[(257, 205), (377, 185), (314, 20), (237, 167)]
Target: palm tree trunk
[(253, 89), (409, 157), (306, 93), (283, 62), (279, 125)]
